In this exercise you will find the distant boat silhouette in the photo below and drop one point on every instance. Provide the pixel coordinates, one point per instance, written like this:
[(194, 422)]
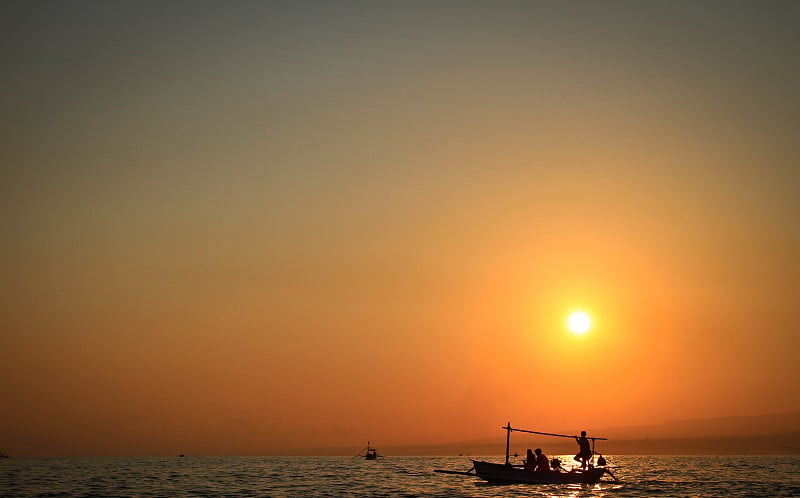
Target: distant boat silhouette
[(3, 455), (371, 454)]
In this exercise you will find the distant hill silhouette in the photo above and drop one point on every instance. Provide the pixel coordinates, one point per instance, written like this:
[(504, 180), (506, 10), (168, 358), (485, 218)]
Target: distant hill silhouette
[(774, 434), (763, 434), (711, 427)]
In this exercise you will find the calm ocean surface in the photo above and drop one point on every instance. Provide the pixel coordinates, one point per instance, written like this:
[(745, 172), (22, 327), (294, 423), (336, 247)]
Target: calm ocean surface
[(640, 476)]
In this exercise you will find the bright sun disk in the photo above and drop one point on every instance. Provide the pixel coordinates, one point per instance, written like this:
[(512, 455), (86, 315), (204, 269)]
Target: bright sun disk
[(579, 322)]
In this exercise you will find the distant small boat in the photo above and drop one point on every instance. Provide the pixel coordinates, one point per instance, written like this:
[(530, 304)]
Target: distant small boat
[(372, 453), (3, 455), (506, 473)]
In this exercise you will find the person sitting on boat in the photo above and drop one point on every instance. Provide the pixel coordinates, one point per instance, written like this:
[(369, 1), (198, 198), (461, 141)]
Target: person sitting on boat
[(542, 463), (584, 455), (530, 461)]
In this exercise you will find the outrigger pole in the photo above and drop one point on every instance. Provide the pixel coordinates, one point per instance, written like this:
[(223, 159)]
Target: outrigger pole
[(509, 428)]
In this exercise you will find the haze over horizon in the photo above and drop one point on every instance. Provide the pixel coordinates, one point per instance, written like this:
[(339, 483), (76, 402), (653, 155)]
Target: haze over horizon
[(252, 227)]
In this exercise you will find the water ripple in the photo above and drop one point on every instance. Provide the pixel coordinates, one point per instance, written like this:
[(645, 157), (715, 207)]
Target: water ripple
[(641, 476)]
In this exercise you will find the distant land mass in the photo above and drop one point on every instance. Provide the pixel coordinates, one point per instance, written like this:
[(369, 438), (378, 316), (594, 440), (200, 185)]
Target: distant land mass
[(774, 434)]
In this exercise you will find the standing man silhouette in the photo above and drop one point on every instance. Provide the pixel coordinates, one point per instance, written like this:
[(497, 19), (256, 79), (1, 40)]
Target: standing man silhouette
[(585, 452)]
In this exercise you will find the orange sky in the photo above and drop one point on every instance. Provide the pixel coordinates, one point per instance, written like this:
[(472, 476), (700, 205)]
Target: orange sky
[(253, 228)]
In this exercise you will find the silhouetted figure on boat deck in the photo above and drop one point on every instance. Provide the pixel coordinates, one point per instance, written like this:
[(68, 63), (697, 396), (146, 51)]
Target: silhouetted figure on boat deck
[(542, 463), (530, 461), (584, 455)]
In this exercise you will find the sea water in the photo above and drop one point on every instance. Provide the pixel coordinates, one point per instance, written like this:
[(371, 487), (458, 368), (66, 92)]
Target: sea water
[(639, 476)]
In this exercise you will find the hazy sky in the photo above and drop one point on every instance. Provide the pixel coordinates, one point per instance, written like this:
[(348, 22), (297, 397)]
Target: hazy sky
[(251, 227)]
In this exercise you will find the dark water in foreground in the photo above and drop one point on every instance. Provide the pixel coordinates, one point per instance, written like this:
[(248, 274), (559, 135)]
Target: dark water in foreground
[(640, 476)]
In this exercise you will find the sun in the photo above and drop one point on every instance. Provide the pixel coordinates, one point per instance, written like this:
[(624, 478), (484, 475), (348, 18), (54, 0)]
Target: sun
[(579, 322)]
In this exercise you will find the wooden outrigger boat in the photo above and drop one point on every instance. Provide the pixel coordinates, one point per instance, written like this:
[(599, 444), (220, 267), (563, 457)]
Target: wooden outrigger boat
[(510, 474), (515, 474)]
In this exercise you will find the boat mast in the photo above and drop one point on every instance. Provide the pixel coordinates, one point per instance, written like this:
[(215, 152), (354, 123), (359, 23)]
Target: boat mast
[(508, 438)]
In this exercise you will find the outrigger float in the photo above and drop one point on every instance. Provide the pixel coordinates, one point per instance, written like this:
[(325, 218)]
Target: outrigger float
[(516, 474)]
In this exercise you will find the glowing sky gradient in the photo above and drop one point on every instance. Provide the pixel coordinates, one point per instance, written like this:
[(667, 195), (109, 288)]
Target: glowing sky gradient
[(252, 227)]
